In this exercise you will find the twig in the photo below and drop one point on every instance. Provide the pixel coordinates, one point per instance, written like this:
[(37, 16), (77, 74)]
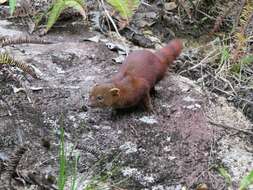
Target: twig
[(110, 18), (203, 61), (229, 83), (230, 127), (208, 16), (144, 3)]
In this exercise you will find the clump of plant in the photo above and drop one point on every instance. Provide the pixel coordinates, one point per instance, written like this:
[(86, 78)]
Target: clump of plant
[(126, 9), (59, 6), (6, 59), (245, 182), (241, 34), (67, 168)]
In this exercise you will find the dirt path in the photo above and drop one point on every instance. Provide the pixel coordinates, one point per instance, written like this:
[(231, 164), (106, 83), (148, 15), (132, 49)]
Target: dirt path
[(174, 147)]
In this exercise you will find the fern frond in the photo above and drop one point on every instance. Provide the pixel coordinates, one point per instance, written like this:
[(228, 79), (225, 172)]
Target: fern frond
[(12, 4), (76, 4), (55, 13), (8, 60), (125, 8), (21, 40), (241, 37), (247, 11), (59, 6)]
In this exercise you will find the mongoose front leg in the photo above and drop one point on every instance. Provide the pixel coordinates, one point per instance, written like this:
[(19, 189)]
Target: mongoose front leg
[(153, 91), (147, 102)]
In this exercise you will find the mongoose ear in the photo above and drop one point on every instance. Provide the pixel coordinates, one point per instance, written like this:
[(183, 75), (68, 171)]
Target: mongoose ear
[(115, 91)]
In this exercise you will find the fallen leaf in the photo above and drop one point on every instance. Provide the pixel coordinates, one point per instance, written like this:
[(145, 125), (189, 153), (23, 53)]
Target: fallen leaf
[(170, 6), (3, 1)]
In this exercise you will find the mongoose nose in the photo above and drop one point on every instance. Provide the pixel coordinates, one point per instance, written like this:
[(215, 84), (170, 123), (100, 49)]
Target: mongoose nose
[(90, 104)]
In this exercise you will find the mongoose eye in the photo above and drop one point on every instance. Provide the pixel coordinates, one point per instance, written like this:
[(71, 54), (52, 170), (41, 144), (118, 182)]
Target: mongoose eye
[(100, 98)]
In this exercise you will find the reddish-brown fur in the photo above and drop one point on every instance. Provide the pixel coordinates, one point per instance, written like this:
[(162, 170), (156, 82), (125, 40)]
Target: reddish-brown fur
[(137, 76)]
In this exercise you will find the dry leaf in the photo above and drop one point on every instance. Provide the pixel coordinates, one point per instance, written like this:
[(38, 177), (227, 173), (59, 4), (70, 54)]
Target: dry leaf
[(3, 1)]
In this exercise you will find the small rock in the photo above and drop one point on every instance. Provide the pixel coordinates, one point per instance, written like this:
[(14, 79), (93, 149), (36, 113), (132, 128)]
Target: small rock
[(117, 47), (84, 108)]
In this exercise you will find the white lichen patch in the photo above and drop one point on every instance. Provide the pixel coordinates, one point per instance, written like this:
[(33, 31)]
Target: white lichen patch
[(59, 70), (128, 172), (235, 157), (129, 147), (193, 107), (148, 120), (167, 149), (162, 187), (189, 99), (144, 179), (232, 152)]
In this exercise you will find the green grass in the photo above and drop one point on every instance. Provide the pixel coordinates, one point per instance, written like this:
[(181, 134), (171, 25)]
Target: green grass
[(225, 55), (12, 5), (62, 173), (74, 173), (224, 173), (246, 181), (67, 168), (244, 61)]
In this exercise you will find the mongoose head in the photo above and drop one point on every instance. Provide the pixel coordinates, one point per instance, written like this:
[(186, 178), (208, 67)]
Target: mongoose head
[(104, 95)]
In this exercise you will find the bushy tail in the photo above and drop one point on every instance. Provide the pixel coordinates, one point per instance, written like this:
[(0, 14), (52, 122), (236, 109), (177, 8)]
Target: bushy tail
[(170, 52)]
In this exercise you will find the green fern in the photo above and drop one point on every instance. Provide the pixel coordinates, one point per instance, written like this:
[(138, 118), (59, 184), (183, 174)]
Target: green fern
[(59, 6), (125, 8)]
